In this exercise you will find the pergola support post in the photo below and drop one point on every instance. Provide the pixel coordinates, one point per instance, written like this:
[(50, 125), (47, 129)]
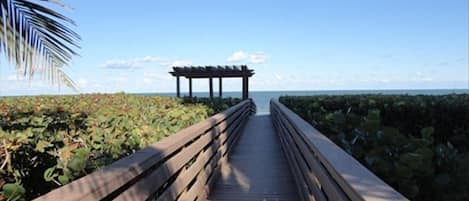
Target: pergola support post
[(220, 87), (190, 87), (245, 82), (245, 88), (211, 86), (178, 89)]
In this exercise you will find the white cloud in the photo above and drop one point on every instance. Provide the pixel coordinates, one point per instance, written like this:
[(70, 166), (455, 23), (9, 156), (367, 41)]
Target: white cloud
[(130, 63), (142, 62), (337, 80), (21, 86), (257, 58), (443, 63), (181, 63), (279, 77), (152, 77), (419, 76), (149, 59), (238, 56), (82, 83), (14, 77), (120, 78), (460, 60), (253, 58), (147, 80)]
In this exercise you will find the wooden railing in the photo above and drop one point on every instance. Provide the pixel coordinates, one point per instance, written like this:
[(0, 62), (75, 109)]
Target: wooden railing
[(180, 167), (322, 170)]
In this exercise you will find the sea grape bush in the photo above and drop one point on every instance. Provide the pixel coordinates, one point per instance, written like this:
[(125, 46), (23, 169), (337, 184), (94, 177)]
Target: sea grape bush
[(48, 141), (217, 104), (417, 144)]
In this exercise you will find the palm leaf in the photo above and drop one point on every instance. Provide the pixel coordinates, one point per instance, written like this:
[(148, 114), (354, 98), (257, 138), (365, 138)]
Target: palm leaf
[(36, 39)]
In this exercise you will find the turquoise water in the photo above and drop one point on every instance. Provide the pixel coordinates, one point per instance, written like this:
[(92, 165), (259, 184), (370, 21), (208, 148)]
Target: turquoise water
[(262, 98)]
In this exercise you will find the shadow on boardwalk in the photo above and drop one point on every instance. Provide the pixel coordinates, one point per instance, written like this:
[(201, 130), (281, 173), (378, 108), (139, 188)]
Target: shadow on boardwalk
[(257, 168)]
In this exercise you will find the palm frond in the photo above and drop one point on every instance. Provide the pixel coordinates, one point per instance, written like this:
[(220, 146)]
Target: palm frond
[(36, 39)]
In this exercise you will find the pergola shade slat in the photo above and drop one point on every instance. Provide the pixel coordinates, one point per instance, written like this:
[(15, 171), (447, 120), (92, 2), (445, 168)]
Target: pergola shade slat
[(211, 71)]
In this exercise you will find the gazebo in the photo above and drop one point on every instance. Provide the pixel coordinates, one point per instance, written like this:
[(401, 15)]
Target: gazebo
[(211, 72)]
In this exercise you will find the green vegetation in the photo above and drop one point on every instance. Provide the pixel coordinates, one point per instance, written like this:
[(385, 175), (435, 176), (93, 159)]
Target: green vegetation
[(417, 144), (217, 104), (48, 141)]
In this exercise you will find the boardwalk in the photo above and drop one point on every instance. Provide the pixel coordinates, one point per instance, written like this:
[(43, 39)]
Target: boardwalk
[(184, 166), (257, 169)]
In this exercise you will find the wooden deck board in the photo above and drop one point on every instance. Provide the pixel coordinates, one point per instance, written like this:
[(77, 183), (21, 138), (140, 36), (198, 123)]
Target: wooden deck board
[(257, 168)]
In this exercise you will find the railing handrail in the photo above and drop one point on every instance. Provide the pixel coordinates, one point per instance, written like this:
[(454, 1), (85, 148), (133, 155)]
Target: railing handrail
[(204, 144), (353, 180)]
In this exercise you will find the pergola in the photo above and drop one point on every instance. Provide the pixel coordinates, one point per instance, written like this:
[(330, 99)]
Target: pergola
[(210, 72)]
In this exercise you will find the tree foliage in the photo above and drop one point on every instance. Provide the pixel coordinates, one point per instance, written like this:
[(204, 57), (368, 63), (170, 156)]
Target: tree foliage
[(36, 39)]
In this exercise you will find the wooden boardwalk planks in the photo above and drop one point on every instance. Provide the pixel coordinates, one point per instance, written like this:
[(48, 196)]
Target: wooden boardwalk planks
[(257, 168)]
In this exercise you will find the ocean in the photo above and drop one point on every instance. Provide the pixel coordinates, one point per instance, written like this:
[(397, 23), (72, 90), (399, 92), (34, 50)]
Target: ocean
[(262, 98)]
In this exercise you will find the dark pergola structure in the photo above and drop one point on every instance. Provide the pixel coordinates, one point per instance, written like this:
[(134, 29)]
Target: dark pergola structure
[(210, 72)]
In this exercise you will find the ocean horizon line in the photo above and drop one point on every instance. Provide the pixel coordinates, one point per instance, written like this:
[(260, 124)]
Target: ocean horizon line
[(334, 91)]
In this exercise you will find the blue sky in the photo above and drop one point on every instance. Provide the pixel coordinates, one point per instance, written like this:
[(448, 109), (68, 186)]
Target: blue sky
[(292, 45)]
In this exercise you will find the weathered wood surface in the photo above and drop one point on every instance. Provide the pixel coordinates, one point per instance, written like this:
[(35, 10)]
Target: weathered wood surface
[(256, 168), (180, 167), (322, 170)]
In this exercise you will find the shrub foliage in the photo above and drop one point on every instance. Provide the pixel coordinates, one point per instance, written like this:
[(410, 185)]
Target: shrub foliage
[(48, 141), (217, 104), (417, 144)]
